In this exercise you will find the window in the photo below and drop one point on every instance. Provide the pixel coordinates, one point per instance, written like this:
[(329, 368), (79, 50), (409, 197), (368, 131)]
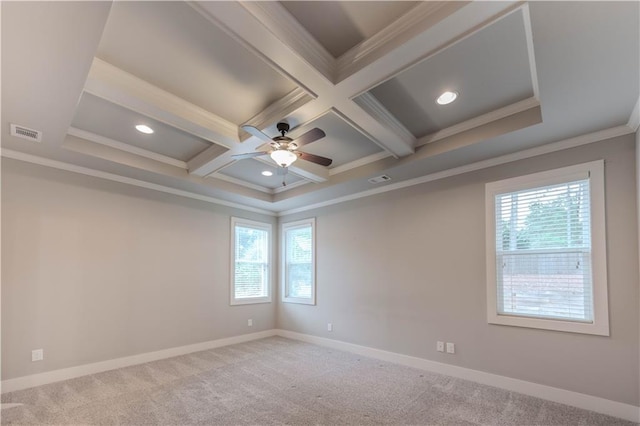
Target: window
[(298, 262), (250, 262), (546, 253)]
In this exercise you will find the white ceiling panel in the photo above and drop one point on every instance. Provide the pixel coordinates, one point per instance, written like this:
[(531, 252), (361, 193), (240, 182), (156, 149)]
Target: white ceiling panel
[(342, 143), (341, 25), (489, 69), (172, 46), (108, 120)]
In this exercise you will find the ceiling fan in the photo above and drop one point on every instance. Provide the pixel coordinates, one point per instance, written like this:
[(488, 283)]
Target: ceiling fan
[(284, 150)]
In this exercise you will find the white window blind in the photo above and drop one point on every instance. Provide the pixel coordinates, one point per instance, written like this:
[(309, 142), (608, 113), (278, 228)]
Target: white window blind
[(543, 252), (298, 262), (251, 258)]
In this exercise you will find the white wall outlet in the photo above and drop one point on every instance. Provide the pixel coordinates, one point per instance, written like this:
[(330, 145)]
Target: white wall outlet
[(329, 327), (250, 323), (451, 348), (440, 346), (37, 355)]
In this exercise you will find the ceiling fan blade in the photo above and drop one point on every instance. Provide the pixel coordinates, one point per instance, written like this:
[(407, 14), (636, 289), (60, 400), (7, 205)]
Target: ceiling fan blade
[(248, 155), (323, 161), (311, 136), (257, 133)]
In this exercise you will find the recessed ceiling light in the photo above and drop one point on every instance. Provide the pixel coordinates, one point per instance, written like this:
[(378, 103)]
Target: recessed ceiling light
[(267, 173), (142, 128), (446, 98)]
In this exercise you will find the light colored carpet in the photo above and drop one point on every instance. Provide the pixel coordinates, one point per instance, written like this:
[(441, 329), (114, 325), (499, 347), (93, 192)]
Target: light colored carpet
[(281, 381)]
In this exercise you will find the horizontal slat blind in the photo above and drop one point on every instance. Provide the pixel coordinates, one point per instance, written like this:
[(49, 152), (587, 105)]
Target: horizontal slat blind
[(299, 262), (543, 252), (251, 262)]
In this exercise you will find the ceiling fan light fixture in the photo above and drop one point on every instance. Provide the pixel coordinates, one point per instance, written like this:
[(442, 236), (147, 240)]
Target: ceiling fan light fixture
[(283, 157), (446, 98)]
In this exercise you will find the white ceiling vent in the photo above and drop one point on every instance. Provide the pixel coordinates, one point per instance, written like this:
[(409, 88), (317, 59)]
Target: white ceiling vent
[(380, 179), (26, 133)]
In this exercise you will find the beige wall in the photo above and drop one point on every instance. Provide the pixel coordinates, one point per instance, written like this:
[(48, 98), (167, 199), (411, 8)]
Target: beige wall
[(94, 270), (401, 270)]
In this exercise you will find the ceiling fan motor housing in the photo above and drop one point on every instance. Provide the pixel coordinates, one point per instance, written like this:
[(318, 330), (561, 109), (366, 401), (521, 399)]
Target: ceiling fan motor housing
[(283, 127)]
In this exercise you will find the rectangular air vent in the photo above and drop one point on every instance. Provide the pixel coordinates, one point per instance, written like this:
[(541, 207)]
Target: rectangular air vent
[(379, 179), (26, 133)]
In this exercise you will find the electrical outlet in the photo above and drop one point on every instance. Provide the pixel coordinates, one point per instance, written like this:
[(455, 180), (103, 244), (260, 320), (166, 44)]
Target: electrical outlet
[(250, 323), (37, 355), (329, 327), (451, 348), (440, 346)]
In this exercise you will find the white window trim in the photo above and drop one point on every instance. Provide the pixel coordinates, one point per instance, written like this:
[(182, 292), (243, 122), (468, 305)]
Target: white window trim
[(257, 225), (595, 172), (283, 261)]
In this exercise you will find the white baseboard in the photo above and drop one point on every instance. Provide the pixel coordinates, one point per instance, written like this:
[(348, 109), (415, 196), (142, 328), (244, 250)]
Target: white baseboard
[(563, 396), (575, 399), (30, 381)]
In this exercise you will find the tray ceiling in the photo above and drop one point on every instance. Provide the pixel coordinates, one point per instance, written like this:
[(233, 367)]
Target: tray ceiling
[(367, 73)]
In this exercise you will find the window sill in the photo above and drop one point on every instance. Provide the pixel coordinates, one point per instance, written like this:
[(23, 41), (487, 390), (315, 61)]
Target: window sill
[(250, 301), (597, 328)]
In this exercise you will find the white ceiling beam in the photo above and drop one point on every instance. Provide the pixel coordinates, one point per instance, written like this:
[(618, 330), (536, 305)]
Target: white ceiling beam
[(447, 25), (278, 110), (417, 20), (117, 86), (269, 31), (132, 149)]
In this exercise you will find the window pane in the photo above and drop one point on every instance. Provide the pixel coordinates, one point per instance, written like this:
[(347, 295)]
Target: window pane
[(251, 269), (299, 278), (543, 252), (299, 262)]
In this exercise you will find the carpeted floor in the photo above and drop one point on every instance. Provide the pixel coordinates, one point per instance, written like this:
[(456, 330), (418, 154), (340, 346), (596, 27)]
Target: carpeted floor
[(281, 381)]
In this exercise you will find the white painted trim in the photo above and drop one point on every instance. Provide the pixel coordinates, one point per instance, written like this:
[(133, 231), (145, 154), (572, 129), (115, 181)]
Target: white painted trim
[(507, 158), (39, 379), (218, 175), (481, 120), (526, 16), (360, 162), (594, 172), (394, 34), (549, 393), (634, 118), (287, 29), (122, 88), (92, 137), (278, 110), (122, 179), (374, 108)]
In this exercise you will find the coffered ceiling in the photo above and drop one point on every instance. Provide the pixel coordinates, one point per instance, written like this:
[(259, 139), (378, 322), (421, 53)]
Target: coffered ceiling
[(85, 74)]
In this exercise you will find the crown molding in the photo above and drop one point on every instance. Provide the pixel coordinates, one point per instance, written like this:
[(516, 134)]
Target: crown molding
[(481, 120), (374, 108), (122, 88), (218, 175), (34, 159), (277, 19), (496, 161), (92, 137), (415, 21), (359, 162)]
